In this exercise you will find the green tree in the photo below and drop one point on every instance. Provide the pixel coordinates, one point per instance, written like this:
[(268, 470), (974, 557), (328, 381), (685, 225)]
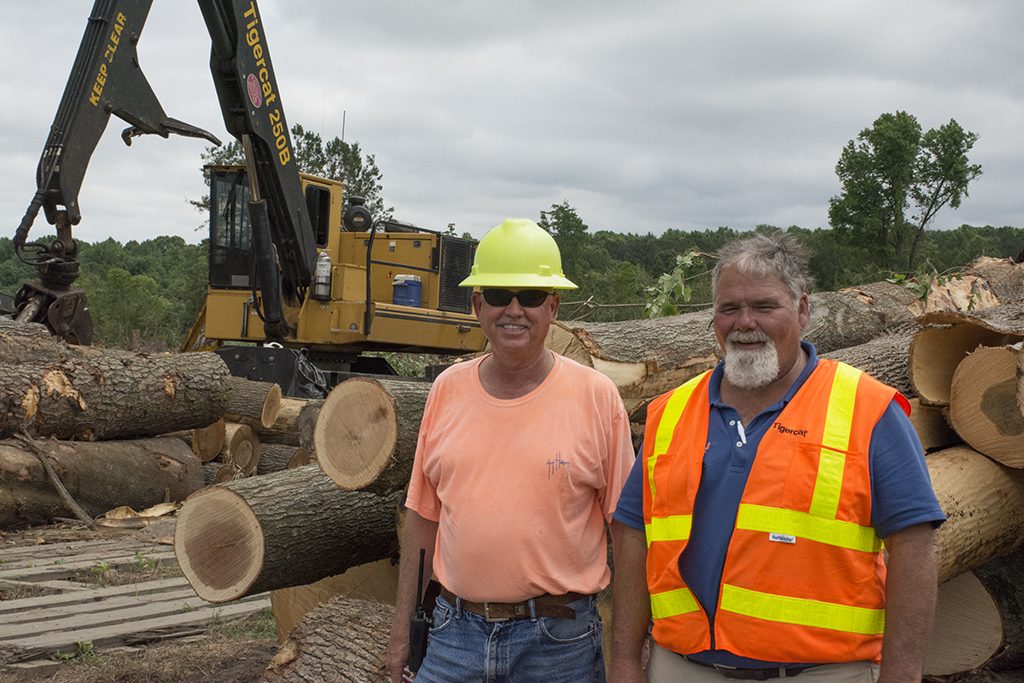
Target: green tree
[(570, 233), (895, 180), (334, 160)]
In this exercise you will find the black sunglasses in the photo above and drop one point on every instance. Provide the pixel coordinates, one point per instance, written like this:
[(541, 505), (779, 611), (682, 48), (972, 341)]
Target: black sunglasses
[(527, 298)]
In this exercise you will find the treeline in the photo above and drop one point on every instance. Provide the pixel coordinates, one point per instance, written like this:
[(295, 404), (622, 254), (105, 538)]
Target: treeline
[(144, 295)]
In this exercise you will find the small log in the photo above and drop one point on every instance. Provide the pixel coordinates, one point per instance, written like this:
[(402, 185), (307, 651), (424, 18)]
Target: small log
[(979, 620), (241, 447), (255, 400), (376, 581), (282, 529), (285, 427), (983, 403), (1005, 278), (366, 431), (98, 476), (984, 503), (947, 339), (275, 457), (931, 426), (207, 442), (305, 425), (342, 641), (100, 395)]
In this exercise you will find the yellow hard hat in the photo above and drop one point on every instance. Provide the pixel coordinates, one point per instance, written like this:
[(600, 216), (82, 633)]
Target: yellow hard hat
[(517, 253)]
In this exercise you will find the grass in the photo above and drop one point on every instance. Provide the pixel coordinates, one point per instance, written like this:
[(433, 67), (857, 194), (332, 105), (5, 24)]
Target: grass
[(139, 569)]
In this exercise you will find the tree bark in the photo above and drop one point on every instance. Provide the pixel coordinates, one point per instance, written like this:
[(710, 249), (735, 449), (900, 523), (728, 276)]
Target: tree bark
[(983, 404), (342, 641), (255, 400), (275, 457), (365, 436), (283, 529), (112, 396), (979, 620), (99, 476), (984, 502), (1004, 277), (947, 339), (884, 358)]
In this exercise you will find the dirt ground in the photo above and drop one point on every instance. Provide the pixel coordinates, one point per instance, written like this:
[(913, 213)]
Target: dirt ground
[(232, 652)]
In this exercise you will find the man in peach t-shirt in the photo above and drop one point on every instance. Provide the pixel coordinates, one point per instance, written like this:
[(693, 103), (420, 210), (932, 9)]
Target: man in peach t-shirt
[(521, 457)]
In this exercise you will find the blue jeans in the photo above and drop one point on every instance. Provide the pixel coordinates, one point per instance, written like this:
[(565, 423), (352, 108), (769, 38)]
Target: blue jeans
[(465, 647)]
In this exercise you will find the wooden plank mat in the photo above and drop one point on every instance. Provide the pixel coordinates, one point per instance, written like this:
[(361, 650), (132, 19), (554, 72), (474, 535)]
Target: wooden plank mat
[(109, 628), (64, 567)]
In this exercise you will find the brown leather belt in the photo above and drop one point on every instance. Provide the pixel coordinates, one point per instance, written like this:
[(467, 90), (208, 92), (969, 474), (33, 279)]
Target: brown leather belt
[(543, 606)]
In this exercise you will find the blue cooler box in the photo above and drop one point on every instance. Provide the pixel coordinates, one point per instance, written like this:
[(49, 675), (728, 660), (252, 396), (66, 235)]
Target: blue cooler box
[(408, 290)]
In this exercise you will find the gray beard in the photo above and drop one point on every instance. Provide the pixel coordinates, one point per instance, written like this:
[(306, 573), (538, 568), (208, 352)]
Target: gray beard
[(751, 369)]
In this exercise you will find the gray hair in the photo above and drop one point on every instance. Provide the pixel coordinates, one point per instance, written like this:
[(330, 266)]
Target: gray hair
[(779, 254)]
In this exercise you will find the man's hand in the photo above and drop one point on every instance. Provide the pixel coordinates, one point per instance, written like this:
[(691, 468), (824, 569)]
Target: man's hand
[(417, 533), (631, 604)]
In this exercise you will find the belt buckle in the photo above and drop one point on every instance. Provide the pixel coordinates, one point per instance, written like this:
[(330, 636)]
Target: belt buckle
[(488, 617)]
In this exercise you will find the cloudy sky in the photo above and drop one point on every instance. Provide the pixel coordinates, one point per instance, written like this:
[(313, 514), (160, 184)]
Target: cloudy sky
[(644, 115)]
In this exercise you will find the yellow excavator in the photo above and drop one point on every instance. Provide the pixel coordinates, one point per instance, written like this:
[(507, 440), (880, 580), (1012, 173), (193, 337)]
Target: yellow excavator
[(297, 287)]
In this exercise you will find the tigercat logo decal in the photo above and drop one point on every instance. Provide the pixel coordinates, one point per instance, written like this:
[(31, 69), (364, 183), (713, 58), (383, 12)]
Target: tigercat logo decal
[(783, 429)]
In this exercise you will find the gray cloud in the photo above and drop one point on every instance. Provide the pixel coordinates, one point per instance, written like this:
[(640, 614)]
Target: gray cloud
[(644, 116)]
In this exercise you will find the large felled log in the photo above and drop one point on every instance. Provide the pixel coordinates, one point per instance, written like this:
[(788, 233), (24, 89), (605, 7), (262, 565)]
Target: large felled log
[(984, 502), (648, 357), (255, 400), (365, 434), (884, 358), (99, 476), (949, 336), (99, 395), (342, 641), (283, 529), (377, 582), (979, 620), (983, 403), (1005, 278)]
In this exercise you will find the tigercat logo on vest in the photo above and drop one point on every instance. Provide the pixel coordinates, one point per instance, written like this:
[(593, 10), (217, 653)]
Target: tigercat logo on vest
[(783, 429)]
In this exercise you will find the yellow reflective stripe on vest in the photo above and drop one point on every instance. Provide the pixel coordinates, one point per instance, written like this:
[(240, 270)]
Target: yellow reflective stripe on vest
[(667, 424), (671, 528), (835, 441), (673, 603), (802, 611), (832, 532)]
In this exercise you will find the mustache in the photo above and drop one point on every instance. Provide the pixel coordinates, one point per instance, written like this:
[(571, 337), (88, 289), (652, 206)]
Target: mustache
[(748, 337)]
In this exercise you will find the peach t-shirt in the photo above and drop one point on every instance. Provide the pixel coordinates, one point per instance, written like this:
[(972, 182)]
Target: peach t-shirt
[(521, 488)]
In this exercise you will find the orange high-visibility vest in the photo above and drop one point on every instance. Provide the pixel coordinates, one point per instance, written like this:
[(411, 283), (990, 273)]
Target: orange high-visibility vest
[(804, 577)]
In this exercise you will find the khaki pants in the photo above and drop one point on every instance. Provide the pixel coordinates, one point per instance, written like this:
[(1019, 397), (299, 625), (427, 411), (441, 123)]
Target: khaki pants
[(668, 667)]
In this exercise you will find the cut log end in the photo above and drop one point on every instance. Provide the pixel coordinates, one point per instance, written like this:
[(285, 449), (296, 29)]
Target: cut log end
[(983, 404), (967, 628), (355, 433), (218, 543)]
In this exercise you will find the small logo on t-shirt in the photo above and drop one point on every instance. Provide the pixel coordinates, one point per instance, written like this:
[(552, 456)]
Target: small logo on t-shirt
[(556, 463)]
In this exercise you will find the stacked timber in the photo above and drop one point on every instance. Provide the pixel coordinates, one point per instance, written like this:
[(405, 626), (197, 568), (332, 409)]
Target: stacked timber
[(85, 418)]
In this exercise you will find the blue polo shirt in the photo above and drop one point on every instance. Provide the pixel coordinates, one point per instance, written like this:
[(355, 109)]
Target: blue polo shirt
[(901, 491)]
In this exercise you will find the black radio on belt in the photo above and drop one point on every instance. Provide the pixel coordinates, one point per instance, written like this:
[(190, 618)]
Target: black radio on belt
[(419, 625)]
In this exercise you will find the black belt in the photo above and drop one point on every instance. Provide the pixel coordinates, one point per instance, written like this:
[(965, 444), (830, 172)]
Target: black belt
[(764, 674), (543, 606)]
